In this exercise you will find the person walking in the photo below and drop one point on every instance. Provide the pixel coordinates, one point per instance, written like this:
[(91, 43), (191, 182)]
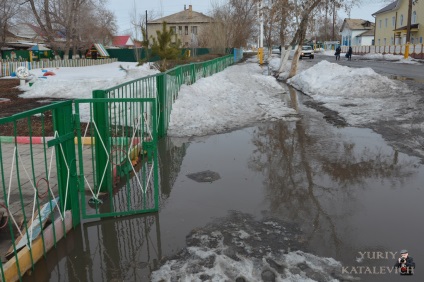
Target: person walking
[(349, 54), (338, 50)]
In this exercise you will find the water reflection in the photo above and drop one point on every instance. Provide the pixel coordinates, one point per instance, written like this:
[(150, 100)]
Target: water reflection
[(342, 186), (324, 178), (171, 157), (124, 249)]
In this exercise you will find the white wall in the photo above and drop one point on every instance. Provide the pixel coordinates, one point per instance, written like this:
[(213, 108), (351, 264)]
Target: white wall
[(353, 40), (367, 40)]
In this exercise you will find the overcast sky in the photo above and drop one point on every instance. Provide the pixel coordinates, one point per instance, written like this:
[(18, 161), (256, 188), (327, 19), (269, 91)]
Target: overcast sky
[(123, 9)]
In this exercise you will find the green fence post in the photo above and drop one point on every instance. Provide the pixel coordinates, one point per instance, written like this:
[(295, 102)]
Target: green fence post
[(180, 76), (102, 143), (161, 87), (192, 73), (66, 161)]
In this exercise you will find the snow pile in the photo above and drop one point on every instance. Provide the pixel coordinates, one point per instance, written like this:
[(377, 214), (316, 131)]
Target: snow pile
[(238, 248), (377, 56), (274, 64), (391, 57), (331, 79), (385, 57), (236, 97), (360, 95), (79, 82)]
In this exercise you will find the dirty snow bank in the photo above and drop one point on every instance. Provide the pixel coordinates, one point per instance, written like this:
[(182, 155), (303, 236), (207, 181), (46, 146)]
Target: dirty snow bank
[(240, 248), (238, 96), (360, 95)]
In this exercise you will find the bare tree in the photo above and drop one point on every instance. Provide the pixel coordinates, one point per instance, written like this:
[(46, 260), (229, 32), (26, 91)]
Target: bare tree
[(233, 25), (72, 19), (8, 10), (308, 10), (96, 25), (139, 22)]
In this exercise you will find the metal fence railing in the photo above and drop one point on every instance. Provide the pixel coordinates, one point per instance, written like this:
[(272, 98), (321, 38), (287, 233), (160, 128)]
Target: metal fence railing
[(32, 190), (86, 158), (165, 86), (238, 54), (415, 50), (117, 153)]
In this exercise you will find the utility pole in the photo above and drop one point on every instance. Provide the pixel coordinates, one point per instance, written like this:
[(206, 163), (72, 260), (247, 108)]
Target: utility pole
[(408, 30), (147, 34), (261, 32), (334, 20)]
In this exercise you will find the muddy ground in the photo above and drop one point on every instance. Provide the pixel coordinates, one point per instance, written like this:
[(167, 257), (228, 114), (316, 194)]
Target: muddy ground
[(11, 104), (14, 104)]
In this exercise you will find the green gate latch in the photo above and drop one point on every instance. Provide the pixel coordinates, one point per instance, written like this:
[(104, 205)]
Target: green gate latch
[(60, 139)]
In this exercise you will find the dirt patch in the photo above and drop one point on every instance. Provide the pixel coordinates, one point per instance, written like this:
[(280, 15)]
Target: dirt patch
[(12, 104), (9, 90), (330, 116)]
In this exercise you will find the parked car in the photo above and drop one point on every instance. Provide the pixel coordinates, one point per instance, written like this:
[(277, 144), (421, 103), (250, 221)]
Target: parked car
[(307, 51)]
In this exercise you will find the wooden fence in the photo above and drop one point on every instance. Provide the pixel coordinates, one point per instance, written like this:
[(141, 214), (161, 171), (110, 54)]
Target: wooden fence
[(7, 68)]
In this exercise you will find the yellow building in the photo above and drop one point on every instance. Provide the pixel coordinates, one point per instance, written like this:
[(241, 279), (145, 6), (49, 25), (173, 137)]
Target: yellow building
[(391, 23)]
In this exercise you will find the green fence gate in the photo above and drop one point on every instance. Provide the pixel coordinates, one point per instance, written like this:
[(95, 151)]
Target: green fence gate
[(87, 159), (117, 153)]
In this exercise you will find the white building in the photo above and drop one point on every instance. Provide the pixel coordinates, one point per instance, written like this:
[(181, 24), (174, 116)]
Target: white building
[(357, 32)]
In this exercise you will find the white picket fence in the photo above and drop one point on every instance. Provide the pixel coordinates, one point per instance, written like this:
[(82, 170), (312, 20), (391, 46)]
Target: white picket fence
[(415, 50), (7, 68)]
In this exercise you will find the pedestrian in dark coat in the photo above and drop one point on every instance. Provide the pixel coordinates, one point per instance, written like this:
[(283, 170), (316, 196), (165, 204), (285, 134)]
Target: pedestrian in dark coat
[(338, 50), (349, 54)]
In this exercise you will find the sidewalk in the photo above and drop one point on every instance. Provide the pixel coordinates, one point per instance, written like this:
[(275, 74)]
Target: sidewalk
[(28, 183)]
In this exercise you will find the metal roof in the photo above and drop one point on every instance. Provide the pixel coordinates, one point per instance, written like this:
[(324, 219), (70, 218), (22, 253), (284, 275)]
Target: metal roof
[(392, 6)]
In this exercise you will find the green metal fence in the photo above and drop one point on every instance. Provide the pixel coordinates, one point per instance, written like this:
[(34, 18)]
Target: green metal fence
[(88, 158), (119, 137), (165, 86), (91, 158), (33, 190)]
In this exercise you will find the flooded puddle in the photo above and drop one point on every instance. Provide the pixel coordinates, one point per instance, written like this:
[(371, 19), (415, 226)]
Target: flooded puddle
[(294, 200)]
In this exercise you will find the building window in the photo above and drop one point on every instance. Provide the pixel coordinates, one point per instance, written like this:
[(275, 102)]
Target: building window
[(401, 20), (393, 21), (385, 22), (421, 40), (379, 42), (391, 41), (384, 41), (412, 40), (194, 30), (414, 17), (180, 30), (173, 29), (186, 30), (379, 23)]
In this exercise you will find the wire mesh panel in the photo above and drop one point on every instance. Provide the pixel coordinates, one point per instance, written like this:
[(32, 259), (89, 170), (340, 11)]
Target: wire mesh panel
[(117, 144), (35, 196)]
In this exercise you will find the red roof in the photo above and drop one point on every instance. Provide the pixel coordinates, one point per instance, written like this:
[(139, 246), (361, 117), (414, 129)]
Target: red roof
[(121, 40)]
